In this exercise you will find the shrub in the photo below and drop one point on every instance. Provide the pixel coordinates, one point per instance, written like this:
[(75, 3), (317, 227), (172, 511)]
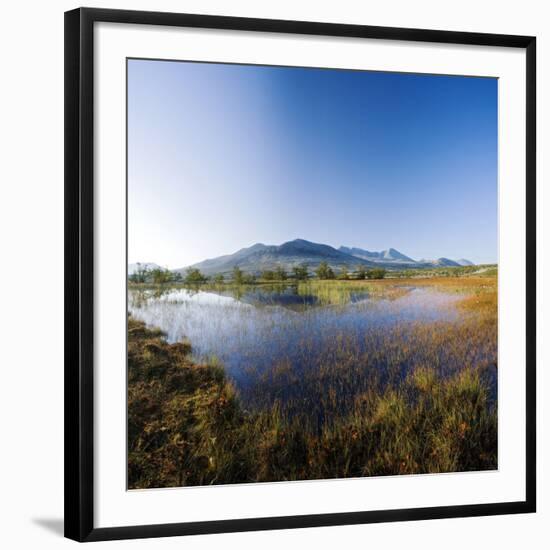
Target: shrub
[(218, 279), (194, 276), (300, 272), (361, 272), (281, 274), (377, 273), (324, 271)]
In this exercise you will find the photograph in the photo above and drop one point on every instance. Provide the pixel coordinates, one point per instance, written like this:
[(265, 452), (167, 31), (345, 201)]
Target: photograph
[(312, 273)]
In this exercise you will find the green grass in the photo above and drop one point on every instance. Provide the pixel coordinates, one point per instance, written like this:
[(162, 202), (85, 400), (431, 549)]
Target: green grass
[(339, 292), (188, 425)]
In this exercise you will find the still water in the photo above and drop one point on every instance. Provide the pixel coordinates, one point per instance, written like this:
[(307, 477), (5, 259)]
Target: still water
[(252, 329)]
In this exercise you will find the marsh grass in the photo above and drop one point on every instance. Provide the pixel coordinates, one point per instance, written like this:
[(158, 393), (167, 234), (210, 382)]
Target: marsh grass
[(413, 398), (338, 292)]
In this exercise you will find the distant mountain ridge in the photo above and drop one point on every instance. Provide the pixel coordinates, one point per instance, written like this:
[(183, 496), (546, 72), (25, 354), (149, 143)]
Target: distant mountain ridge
[(261, 257), (445, 262), (391, 255), (145, 266)]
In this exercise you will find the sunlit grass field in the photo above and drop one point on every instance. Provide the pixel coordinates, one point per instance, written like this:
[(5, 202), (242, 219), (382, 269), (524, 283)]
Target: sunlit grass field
[(410, 397)]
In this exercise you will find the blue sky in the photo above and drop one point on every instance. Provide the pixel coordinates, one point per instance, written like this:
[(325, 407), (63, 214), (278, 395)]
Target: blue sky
[(223, 156)]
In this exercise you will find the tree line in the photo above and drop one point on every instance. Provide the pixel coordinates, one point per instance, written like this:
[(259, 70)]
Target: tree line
[(158, 275), (240, 277), (325, 272)]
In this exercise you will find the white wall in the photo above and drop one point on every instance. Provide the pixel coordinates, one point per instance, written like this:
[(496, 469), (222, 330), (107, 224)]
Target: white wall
[(31, 277)]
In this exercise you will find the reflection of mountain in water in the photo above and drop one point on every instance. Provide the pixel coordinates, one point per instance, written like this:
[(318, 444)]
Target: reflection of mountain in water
[(288, 298)]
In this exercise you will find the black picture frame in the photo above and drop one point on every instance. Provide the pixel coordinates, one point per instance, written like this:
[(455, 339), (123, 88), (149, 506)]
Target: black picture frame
[(79, 270)]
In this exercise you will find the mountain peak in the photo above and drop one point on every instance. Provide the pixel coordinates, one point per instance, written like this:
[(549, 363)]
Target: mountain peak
[(299, 241), (465, 262), (391, 254), (304, 243), (257, 246)]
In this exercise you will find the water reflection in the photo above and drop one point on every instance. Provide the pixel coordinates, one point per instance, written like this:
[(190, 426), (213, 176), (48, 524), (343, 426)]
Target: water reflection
[(255, 328)]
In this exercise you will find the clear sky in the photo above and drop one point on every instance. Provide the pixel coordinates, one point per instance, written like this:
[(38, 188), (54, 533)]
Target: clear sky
[(224, 156)]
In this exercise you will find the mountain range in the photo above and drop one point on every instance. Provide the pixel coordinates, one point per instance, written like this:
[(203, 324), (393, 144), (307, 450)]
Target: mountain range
[(145, 266), (260, 257)]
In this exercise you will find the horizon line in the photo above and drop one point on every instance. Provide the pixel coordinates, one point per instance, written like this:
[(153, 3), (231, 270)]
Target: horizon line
[(422, 259)]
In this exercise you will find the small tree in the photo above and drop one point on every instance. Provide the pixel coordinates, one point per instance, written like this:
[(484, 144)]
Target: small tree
[(268, 275), (324, 271), (139, 275), (300, 272), (344, 273), (194, 276), (160, 276), (281, 274), (361, 272), (238, 276), (218, 279), (378, 273)]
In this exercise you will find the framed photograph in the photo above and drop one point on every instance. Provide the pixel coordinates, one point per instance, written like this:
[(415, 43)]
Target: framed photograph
[(300, 274)]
